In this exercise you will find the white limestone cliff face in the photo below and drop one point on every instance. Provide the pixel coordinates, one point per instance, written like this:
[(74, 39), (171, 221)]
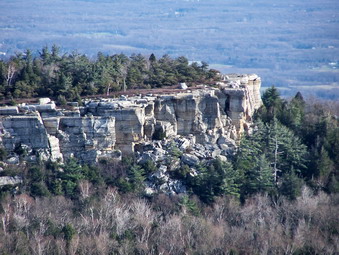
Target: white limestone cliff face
[(85, 138), (196, 113), (129, 127), (26, 130), (239, 97), (212, 117), (190, 113)]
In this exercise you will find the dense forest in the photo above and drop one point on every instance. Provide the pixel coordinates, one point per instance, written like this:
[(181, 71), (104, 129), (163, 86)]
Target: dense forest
[(71, 76), (278, 194)]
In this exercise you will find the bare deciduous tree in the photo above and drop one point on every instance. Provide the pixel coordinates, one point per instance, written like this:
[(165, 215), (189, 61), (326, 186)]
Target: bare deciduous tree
[(11, 70)]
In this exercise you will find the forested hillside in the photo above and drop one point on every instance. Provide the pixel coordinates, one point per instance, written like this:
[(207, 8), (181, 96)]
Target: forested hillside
[(71, 76), (278, 194)]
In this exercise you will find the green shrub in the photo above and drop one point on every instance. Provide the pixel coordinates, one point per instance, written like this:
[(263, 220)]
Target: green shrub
[(181, 173), (124, 186), (39, 190), (69, 232), (149, 167), (35, 174)]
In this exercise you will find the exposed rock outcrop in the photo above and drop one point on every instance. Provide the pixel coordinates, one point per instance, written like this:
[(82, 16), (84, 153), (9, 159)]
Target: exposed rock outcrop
[(207, 120), (9, 180), (25, 130), (85, 138)]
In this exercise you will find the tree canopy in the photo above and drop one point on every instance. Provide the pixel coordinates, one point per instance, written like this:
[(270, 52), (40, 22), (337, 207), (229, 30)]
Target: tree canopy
[(74, 75)]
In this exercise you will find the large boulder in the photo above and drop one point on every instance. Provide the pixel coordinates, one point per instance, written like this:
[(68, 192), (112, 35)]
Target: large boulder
[(9, 180), (190, 159)]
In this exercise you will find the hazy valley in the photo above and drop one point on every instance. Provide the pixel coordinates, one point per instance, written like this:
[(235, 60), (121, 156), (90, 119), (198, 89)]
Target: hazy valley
[(293, 44)]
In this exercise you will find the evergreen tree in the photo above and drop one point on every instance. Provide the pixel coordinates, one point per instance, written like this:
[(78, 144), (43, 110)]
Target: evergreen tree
[(27, 76), (55, 53), (45, 55), (71, 175), (324, 164), (272, 104), (292, 114), (259, 178), (137, 72), (216, 179), (284, 150), (152, 58), (291, 186), (251, 162), (271, 98), (137, 177)]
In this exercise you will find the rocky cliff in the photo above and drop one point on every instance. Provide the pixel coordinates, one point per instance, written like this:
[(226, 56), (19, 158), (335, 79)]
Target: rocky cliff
[(208, 117)]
